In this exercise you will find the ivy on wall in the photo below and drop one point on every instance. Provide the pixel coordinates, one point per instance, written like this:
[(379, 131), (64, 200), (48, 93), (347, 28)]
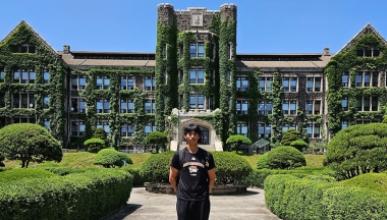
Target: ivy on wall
[(277, 116), (42, 58), (348, 61)]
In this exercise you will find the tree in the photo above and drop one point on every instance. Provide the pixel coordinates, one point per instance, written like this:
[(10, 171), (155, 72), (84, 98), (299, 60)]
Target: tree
[(94, 144), (292, 135), (29, 143), (236, 140), (358, 149), (110, 158), (156, 139)]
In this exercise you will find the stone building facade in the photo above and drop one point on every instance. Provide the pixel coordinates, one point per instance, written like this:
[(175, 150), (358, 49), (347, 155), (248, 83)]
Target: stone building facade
[(194, 76)]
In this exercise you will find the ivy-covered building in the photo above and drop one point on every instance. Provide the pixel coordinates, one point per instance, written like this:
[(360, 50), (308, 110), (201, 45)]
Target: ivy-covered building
[(194, 76)]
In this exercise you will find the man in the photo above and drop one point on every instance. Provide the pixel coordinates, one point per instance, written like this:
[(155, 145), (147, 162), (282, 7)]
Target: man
[(196, 170)]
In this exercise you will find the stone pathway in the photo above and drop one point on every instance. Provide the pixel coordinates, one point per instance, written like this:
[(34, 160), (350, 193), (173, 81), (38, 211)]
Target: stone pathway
[(145, 205)]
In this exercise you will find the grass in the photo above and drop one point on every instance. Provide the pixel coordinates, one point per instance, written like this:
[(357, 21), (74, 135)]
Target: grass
[(313, 161), (79, 160)]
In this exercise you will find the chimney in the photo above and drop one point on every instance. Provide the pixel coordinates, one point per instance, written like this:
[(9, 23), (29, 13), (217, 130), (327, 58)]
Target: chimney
[(66, 49), (326, 52)]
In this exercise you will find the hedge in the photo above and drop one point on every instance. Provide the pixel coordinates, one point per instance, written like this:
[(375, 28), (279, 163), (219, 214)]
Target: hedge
[(230, 168), (91, 194), (291, 197), (257, 177)]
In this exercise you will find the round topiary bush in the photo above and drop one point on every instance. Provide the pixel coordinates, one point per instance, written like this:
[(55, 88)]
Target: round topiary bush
[(156, 168), (282, 157), (94, 144), (292, 135), (231, 168), (299, 144), (358, 149), (29, 142), (110, 157), (234, 141)]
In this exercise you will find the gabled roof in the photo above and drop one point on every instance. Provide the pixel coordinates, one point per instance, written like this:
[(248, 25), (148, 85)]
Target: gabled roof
[(365, 30), (24, 24)]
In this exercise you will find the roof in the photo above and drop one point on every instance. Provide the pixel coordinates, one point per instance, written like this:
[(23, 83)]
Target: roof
[(366, 29), (88, 58), (310, 60)]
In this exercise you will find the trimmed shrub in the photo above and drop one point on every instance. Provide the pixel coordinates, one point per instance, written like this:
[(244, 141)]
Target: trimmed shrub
[(138, 179), (372, 181), (234, 141), (29, 142), (156, 168), (88, 195), (257, 177), (231, 168), (94, 144), (110, 157), (101, 134), (157, 139), (291, 197), (282, 157), (358, 149), (290, 136), (299, 144), (17, 174)]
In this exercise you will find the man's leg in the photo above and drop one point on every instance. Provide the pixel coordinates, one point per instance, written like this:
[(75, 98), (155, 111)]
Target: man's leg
[(201, 210), (182, 209)]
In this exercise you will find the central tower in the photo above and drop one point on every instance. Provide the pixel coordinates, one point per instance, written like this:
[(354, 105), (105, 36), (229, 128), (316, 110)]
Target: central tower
[(195, 68)]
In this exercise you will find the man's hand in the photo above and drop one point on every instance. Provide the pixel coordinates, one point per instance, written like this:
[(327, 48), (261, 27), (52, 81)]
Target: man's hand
[(173, 173), (211, 178)]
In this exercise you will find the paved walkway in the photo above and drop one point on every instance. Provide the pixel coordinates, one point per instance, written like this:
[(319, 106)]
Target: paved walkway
[(154, 206)]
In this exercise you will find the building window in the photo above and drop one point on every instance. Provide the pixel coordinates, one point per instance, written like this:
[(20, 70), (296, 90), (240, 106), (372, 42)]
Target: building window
[(46, 76), (196, 76), (46, 101), (23, 119), (78, 105), (313, 84), (197, 50), (265, 107), (242, 83), (289, 107), (24, 76), (265, 84), (149, 83), (313, 130), (78, 128), (150, 106), (46, 124), (242, 106), (104, 124), (103, 106), (289, 84), (2, 75), (367, 79), (127, 82), (242, 128), (313, 107), (344, 103), (103, 82), (196, 101), (24, 48), (127, 130), (344, 124), (149, 127), (78, 82), (288, 126), (264, 130), (368, 52), (345, 79), (369, 103), (23, 100), (126, 106)]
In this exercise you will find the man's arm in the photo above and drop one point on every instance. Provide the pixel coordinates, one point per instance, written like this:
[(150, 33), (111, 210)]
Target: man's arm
[(211, 179), (173, 173)]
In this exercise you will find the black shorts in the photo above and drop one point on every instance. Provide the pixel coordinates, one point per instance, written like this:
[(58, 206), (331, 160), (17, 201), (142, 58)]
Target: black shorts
[(193, 210)]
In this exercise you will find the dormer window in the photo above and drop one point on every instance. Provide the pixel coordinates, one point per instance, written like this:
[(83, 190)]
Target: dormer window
[(24, 48), (368, 52)]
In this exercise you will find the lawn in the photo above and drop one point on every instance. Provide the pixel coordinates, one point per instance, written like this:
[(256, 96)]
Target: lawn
[(312, 160), (80, 160)]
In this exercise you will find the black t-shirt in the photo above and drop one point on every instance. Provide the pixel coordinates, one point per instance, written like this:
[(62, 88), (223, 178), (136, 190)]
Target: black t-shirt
[(193, 174)]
